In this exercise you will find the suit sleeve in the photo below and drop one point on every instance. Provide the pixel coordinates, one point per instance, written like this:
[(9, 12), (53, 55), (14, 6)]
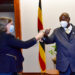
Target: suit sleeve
[(49, 39), (13, 42)]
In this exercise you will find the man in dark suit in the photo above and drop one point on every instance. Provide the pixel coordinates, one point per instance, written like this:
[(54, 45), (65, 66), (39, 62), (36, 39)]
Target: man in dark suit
[(64, 37)]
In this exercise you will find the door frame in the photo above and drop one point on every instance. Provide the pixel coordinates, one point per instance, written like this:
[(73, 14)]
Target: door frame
[(17, 18)]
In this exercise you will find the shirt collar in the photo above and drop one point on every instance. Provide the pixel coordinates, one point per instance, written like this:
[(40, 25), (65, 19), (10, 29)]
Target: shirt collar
[(69, 29)]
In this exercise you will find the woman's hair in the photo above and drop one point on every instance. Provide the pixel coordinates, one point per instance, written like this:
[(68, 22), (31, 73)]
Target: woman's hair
[(3, 22)]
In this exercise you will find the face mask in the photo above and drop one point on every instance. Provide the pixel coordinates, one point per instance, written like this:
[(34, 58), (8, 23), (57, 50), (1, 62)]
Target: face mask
[(64, 24), (11, 28)]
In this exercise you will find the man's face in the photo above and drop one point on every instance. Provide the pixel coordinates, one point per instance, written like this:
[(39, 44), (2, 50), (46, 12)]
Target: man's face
[(64, 20), (64, 17)]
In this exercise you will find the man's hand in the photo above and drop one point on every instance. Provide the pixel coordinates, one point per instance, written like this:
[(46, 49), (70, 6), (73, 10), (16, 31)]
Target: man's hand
[(47, 31)]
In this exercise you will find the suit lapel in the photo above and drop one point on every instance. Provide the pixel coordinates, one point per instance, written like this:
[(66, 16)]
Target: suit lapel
[(73, 33), (63, 33)]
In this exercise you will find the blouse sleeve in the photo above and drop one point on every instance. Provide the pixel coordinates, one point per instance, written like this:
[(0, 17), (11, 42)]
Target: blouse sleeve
[(12, 41)]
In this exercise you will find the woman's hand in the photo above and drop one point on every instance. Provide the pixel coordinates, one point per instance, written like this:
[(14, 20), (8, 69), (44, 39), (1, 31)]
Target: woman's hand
[(40, 35)]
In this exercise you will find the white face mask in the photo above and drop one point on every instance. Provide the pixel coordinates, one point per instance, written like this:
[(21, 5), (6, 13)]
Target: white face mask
[(12, 29), (64, 24)]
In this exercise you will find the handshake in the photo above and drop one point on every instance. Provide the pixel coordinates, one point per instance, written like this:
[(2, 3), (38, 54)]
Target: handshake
[(42, 34)]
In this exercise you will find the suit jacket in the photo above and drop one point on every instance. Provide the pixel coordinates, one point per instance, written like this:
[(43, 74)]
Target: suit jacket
[(65, 48), (10, 54)]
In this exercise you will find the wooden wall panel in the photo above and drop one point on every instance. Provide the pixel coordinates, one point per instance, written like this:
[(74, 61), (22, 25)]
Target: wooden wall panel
[(6, 5)]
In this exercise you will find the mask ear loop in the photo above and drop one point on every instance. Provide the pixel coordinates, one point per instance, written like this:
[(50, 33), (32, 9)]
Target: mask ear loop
[(6, 25)]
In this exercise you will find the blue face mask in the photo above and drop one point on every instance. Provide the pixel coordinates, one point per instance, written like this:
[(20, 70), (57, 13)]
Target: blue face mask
[(12, 29)]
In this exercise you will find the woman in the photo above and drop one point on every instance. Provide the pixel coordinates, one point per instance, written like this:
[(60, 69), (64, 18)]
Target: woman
[(10, 55)]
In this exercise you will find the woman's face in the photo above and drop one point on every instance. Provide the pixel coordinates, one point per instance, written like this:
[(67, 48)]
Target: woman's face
[(8, 27)]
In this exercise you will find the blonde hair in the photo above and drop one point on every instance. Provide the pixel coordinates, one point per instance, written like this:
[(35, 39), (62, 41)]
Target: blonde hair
[(3, 22)]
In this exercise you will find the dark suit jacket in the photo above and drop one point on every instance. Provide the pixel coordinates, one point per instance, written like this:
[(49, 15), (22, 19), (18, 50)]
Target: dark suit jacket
[(65, 48), (10, 55)]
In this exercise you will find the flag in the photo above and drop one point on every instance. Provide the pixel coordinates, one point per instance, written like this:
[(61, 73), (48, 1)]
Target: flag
[(42, 57)]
